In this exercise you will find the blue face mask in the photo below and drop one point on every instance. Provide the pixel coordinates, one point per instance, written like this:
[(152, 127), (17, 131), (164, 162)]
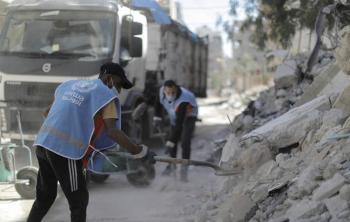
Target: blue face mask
[(170, 98)]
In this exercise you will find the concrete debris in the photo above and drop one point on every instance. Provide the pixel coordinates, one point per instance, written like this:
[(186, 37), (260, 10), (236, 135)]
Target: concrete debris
[(296, 165), (230, 151), (293, 126), (342, 53), (344, 193), (305, 209), (329, 188), (307, 181), (235, 209), (286, 74), (336, 207), (343, 101)]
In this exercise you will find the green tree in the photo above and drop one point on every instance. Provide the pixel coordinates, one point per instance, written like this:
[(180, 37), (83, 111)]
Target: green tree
[(277, 20)]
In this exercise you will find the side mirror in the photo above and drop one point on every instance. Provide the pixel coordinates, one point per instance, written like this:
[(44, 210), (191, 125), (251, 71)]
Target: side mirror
[(136, 28), (136, 47), (129, 39)]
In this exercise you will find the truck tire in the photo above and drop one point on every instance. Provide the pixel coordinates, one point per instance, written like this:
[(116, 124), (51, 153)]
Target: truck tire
[(98, 178), (27, 191), (143, 176)]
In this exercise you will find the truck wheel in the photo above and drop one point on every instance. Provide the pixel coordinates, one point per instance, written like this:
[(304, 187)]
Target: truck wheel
[(143, 176), (27, 191), (98, 178)]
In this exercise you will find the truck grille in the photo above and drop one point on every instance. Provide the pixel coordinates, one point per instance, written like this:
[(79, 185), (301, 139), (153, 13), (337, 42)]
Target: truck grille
[(30, 93), (31, 99)]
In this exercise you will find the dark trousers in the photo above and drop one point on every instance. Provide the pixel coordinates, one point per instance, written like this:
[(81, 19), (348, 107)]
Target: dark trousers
[(186, 136), (69, 173)]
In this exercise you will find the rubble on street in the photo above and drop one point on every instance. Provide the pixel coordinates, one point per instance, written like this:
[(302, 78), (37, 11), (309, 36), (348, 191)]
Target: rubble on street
[(291, 146)]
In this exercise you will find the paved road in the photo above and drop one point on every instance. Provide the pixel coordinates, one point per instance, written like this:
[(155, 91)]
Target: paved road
[(166, 200)]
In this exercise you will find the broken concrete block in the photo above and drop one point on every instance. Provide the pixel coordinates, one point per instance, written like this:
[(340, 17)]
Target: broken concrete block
[(336, 85), (336, 206), (347, 123), (293, 126), (294, 193), (307, 179), (281, 158), (319, 84), (343, 101), (265, 170), (256, 155), (329, 188), (286, 74), (281, 93), (342, 53), (260, 193), (305, 209), (235, 208), (344, 193), (230, 150), (332, 118)]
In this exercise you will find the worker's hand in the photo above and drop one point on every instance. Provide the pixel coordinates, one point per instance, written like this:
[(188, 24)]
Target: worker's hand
[(157, 120), (169, 146), (146, 155), (150, 157)]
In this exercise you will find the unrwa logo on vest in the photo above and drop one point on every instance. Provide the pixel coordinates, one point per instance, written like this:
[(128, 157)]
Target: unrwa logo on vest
[(84, 86)]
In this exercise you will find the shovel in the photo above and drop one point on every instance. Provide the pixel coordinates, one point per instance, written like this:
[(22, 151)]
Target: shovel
[(218, 170)]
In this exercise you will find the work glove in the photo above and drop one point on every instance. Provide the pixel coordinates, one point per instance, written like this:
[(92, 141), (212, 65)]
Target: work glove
[(169, 146), (157, 121), (146, 155), (150, 157)]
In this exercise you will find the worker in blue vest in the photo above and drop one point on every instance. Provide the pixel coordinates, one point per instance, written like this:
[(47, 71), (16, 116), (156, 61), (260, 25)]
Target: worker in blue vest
[(84, 117), (181, 106)]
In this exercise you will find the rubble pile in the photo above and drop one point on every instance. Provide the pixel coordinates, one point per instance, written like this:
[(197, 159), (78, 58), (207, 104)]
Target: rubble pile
[(289, 89), (291, 147)]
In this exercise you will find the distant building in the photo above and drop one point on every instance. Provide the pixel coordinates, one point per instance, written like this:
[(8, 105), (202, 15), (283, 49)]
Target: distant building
[(3, 5), (173, 8), (215, 51)]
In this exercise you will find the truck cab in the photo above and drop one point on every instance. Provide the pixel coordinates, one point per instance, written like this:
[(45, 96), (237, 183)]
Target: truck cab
[(46, 42)]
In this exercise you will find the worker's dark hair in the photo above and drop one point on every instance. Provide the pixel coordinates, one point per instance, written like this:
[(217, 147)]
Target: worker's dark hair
[(170, 83)]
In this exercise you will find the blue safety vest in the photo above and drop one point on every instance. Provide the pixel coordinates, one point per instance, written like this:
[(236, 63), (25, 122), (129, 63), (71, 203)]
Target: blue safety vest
[(186, 96), (97, 160), (69, 126), (103, 141)]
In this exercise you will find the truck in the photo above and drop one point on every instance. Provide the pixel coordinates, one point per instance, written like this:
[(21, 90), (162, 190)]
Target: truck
[(46, 42)]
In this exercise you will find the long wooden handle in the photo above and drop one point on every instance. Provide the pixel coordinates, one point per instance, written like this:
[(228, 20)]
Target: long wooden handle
[(185, 161)]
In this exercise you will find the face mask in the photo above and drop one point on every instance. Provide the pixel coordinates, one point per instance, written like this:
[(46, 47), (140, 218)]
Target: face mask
[(115, 90), (170, 98), (111, 84)]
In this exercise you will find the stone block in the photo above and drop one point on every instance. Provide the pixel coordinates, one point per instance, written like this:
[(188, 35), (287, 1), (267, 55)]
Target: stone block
[(260, 193), (336, 206), (235, 208), (319, 84), (305, 209), (293, 126), (344, 193), (286, 74), (329, 187), (307, 179), (343, 101), (230, 150)]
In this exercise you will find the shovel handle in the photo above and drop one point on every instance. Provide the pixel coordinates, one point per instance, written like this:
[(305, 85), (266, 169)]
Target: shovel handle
[(186, 162)]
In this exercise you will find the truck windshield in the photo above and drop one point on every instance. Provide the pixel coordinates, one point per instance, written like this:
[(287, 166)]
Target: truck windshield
[(61, 34)]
